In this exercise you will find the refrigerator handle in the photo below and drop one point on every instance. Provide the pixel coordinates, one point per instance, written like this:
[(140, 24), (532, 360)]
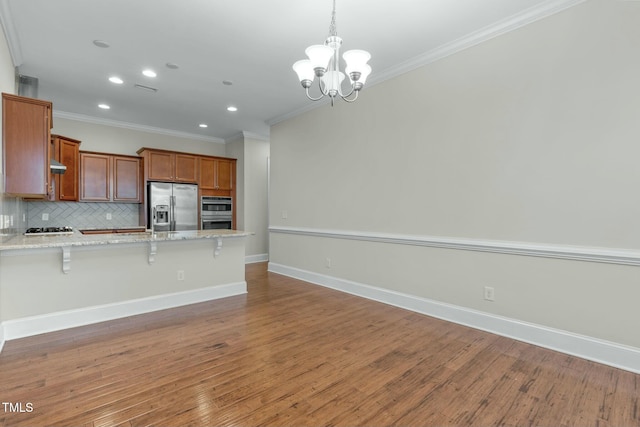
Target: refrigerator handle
[(173, 213)]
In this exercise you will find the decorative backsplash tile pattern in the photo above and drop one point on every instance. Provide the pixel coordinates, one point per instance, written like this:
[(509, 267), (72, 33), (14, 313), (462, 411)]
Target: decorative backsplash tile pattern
[(11, 210), (82, 215)]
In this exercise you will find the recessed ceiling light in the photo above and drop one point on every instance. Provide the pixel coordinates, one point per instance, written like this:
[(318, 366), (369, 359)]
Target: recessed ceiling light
[(172, 65), (103, 106), (149, 73), (115, 79), (232, 108), (203, 125), (101, 43)]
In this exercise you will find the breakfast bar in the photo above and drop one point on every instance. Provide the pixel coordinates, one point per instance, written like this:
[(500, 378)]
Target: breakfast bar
[(54, 282)]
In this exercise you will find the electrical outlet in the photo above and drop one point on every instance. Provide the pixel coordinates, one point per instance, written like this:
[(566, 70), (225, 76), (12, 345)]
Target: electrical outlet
[(285, 214), (327, 262), (489, 293), (180, 275), (109, 216), (45, 217)]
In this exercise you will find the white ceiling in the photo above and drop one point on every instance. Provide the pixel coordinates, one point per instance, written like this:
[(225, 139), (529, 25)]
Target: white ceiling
[(253, 43)]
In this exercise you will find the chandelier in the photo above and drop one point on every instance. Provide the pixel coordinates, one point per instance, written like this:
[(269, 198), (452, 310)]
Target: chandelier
[(324, 63)]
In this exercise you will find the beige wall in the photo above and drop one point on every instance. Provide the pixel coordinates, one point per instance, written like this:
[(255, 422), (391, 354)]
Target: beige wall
[(7, 84), (251, 191), (130, 277), (255, 195), (529, 137)]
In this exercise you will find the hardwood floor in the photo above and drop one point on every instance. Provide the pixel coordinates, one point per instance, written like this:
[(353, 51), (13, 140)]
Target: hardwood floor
[(293, 354)]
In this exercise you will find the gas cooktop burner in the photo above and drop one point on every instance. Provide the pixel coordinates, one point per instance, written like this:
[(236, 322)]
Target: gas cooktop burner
[(39, 231)]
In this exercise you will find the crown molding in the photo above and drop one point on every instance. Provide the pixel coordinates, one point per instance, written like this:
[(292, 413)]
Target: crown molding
[(507, 25), (10, 33), (257, 136), (133, 126), (548, 8)]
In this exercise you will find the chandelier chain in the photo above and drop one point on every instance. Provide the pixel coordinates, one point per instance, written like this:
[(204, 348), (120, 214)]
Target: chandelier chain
[(332, 27)]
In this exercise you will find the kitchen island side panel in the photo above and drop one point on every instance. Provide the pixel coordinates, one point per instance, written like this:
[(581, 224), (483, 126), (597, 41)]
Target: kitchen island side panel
[(32, 282)]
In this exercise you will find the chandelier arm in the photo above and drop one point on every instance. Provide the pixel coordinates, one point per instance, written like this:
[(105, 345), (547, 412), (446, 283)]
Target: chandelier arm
[(349, 94), (344, 98), (314, 99)]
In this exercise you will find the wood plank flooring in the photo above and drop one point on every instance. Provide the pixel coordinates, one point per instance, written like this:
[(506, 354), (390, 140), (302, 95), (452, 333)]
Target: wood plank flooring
[(293, 354)]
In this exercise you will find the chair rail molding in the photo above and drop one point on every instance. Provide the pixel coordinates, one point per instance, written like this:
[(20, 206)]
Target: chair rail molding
[(568, 252)]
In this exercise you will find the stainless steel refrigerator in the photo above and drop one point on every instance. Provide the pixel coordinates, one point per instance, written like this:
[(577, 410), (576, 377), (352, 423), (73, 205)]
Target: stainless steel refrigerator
[(173, 207)]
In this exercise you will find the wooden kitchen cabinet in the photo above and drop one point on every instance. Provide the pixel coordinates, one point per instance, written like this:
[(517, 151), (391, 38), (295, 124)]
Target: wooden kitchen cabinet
[(186, 168), (26, 135), (162, 165), (66, 151), (95, 177), (217, 173), (127, 179), (110, 178)]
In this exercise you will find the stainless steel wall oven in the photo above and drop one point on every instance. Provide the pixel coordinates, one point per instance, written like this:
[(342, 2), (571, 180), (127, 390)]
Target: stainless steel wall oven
[(216, 212)]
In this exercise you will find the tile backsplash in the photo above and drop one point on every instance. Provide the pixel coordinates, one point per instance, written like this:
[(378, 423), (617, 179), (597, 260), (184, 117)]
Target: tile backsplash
[(11, 214), (82, 215)]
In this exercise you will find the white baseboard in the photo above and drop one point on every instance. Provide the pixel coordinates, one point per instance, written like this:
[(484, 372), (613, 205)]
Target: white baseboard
[(250, 259), (594, 349), (34, 325)]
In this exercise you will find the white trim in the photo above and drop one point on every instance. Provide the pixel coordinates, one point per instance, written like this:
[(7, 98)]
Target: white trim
[(134, 126), (594, 349), (496, 29), (511, 23), (251, 259), (547, 250), (34, 325), (259, 137)]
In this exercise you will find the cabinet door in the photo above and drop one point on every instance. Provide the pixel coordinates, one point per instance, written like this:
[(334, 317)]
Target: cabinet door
[(186, 169), (224, 174), (126, 180), (95, 177), (67, 153), (161, 165), (26, 127), (207, 174)]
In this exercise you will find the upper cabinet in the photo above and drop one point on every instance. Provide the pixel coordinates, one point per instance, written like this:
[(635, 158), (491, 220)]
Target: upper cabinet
[(186, 168), (66, 151), (26, 134), (95, 177), (162, 165), (217, 173), (127, 179), (110, 178)]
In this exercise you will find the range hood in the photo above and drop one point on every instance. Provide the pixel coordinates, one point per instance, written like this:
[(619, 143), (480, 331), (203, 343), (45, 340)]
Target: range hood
[(57, 167)]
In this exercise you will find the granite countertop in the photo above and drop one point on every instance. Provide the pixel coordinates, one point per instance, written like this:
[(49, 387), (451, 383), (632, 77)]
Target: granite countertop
[(78, 239)]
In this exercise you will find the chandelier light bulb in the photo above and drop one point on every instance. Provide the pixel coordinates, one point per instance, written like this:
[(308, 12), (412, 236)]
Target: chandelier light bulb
[(305, 72), (319, 56), (364, 74), (356, 59)]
